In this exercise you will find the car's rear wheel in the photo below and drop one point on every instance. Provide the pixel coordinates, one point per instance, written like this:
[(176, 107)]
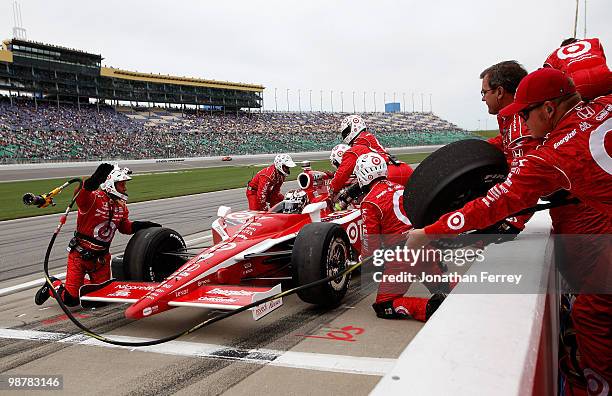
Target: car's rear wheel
[(152, 254), (321, 250)]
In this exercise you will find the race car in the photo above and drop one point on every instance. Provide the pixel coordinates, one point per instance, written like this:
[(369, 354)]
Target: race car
[(226, 158), (254, 254)]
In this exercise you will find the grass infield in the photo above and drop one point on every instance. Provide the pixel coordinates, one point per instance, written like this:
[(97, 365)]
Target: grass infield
[(148, 186)]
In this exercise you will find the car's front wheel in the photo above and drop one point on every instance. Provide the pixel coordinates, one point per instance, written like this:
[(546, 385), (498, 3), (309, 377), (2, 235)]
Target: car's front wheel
[(321, 250)]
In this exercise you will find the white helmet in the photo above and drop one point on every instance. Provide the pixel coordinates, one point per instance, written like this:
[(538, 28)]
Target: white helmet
[(294, 201), (282, 160), (116, 175), (337, 153), (350, 127), (369, 167)]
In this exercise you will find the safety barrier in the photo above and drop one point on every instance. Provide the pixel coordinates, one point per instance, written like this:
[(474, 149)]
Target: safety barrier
[(502, 344)]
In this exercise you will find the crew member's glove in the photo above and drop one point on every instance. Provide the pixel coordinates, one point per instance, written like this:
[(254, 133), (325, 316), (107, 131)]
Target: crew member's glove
[(98, 177), (141, 225)]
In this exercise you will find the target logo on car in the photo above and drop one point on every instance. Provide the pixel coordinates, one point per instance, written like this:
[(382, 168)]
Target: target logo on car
[(375, 160)]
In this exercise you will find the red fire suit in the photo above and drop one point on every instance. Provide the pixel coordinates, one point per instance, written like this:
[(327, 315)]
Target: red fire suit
[(514, 140), (385, 225), (585, 62), (576, 157), (264, 188), (98, 218), (365, 143)]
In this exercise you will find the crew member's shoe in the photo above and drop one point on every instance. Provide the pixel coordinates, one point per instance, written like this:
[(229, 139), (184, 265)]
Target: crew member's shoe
[(433, 304), (44, 292), (416, 308)]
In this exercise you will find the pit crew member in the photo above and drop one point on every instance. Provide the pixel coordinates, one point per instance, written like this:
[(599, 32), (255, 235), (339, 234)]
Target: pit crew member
[(574, 156), (102, 211), (499, 83), (385, 225), (263, 191), (585, 62), (361, 141)]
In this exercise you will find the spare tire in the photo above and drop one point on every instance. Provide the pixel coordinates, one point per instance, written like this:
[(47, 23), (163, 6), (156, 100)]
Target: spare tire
[(144, 258), (451, 177)]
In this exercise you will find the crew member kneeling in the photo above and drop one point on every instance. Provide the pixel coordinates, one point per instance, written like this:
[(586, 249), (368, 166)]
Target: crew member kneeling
[(385, 225), (101, 212)]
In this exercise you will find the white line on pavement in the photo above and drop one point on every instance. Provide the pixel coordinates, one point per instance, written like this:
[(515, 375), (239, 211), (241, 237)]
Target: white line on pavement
[(300, 360)]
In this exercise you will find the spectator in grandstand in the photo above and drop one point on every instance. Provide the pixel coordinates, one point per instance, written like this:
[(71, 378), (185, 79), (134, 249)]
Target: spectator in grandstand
[(499, 83), (102, 211), (263, 191), (585, 62), (573, 156), (384, 226), (355, 134)]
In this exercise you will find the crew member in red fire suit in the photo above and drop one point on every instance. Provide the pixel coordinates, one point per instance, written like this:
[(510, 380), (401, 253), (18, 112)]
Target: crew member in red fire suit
[(575, 156), (264, 188), (585, 62), (499, 83), (101, 212), (384, 226), (355, 134)]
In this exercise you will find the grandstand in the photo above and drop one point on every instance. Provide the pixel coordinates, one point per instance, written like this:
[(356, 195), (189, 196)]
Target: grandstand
[(63, 105)]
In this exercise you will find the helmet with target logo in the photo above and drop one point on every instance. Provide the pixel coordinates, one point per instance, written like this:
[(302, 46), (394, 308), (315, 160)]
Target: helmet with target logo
[(116, 175), (369, 167), (337, 153), (282, 163), (350, 127)]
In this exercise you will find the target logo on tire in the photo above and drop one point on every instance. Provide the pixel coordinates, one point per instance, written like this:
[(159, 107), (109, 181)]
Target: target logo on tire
[(456, 221), (574, 50)]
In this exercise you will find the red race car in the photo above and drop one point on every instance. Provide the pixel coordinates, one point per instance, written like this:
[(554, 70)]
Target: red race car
[(298, 241)]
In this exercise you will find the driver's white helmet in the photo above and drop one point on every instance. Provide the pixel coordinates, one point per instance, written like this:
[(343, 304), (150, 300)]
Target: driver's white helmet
[(116, 175), (350, 127), (295, 201), (370, 167), (337, 153), (281, 161)]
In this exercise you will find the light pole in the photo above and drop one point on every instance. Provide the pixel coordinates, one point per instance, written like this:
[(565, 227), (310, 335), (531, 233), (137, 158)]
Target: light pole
[(403, 102), (321, 101), (331, 100), (374, 101), (275, 100), (300, 100), (364, 101), (430, 108), (287, 100), (413, 102), (393, 97), (422, 108), (341, 101), (354, 102), (310, 98)]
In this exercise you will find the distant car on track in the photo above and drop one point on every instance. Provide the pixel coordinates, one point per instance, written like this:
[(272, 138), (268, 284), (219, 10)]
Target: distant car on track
[(226, 158)]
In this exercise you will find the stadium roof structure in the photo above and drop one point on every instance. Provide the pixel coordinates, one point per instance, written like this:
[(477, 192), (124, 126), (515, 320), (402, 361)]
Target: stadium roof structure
[(52, 72)]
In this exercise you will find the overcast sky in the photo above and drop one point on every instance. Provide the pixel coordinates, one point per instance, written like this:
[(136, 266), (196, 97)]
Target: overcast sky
[(432, 47)]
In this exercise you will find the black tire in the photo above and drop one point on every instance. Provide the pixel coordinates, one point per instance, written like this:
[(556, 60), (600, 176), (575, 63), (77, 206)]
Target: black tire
[(143, 260), (321, 250), (451, 177)]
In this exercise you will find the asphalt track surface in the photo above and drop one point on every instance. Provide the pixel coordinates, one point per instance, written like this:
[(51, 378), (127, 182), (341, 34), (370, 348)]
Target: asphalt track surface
[(297, 349)]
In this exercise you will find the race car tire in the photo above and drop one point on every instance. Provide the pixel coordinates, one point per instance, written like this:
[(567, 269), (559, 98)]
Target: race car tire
[(321, 250), (450, 177), (144, 259)]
